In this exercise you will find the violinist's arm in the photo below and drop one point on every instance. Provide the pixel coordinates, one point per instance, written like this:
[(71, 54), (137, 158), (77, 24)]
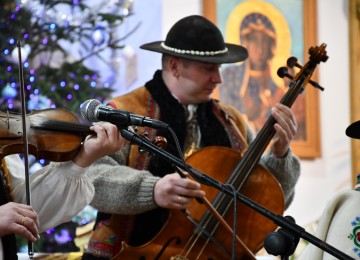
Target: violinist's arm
[(58, 191), (61, 190), (107, 140), (125, 190)]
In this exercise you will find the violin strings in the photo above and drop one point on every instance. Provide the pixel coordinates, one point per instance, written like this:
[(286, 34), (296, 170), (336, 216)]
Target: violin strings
[(202, 232), (40, 122), (210, 217), (200, 227), (195, 239)]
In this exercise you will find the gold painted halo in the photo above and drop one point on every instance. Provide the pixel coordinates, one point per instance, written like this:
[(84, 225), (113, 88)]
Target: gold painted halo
[(282, 30)]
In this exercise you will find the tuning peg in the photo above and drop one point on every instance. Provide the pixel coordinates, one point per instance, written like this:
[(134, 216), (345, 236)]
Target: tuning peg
[(292, 62), (283, 72)]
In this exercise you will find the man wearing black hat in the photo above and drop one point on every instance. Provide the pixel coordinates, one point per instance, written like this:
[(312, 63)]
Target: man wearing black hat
[(180, 95)]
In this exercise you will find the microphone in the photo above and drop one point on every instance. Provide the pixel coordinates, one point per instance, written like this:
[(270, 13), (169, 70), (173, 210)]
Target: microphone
[(92, 110)]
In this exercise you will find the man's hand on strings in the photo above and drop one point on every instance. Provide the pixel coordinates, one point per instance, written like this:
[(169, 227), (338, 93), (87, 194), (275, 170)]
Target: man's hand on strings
[(285, 128)]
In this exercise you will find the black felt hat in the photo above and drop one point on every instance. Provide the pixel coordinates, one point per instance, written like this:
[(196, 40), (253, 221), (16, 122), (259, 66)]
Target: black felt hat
[(196, 38), (353, 130)]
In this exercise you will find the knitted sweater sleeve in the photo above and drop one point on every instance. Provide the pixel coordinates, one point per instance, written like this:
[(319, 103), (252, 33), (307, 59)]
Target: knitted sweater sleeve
[(120, 189), (286, 170)]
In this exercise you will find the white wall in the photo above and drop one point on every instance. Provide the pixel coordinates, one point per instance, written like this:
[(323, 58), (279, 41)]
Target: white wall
[(321, 178)]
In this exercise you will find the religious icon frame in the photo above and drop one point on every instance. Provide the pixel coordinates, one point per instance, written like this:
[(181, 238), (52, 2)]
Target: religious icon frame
[(310, 146), (354, 32)]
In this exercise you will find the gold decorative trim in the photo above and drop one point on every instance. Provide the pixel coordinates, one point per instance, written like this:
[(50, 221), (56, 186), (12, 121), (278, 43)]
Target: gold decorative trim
[(354, 56)]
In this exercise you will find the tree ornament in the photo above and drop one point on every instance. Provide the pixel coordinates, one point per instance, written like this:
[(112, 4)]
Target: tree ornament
[(9, 92), (38, 102), (98, 35), (25, 51)]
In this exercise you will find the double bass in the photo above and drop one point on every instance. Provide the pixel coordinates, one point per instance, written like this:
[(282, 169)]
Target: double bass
[(197, 233)]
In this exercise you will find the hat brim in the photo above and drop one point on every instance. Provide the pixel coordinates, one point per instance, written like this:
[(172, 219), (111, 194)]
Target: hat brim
[(235, 53), (353, 130)]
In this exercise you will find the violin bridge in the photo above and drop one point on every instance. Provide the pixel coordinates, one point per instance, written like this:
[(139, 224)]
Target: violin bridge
[(9, 128)]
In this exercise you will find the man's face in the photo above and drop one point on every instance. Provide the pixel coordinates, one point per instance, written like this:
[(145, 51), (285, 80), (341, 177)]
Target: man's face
[(197, 81), (260, 47)]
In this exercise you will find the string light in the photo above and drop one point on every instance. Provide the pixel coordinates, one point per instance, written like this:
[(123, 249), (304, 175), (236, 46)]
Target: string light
[(53, 22)]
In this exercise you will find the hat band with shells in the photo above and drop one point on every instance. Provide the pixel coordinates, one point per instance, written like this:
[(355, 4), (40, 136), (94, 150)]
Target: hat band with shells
[(196, 38), (192, 52)]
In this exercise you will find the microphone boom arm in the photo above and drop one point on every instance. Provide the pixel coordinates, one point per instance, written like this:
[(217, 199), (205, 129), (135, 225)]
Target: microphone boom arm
[(279, 220)]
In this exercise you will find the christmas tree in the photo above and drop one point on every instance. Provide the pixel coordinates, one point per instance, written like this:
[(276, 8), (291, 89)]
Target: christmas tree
[(56, 39), (47, 30)]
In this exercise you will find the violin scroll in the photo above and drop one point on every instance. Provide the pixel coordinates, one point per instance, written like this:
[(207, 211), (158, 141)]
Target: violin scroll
[(159, 141), (318, 53)]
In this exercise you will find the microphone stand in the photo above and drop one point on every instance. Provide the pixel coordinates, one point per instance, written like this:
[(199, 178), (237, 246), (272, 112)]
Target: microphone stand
[(286, 223)]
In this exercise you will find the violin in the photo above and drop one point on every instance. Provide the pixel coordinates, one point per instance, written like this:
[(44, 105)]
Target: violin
[(39, 134), (53, 134)]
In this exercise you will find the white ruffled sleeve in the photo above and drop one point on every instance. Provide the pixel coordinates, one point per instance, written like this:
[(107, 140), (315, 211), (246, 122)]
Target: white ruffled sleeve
[(58, 191)]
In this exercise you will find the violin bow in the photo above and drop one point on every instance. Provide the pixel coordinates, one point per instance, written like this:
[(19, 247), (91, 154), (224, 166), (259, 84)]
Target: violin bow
[(25, 140)]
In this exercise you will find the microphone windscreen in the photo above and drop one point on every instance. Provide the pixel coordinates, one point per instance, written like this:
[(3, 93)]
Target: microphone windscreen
[(88, 110)]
